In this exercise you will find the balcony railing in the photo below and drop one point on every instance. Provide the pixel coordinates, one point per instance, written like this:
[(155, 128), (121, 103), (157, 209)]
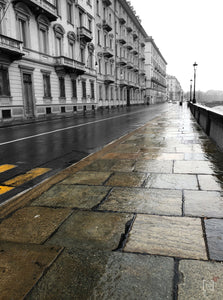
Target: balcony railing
[(122, 61), (122, 39), (108, 52), (129, 65), (108, 79), (107, 2), (106, 25), (85, 34), (43, 6), (12, 47), (122, 20), (70, 65)]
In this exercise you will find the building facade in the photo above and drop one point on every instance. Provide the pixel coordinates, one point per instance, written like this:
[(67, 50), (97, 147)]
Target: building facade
[(63, 56), (174, 90), (155, 73)]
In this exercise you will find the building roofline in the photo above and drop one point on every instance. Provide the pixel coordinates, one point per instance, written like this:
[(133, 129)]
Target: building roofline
[(151, 40), (130, 10)]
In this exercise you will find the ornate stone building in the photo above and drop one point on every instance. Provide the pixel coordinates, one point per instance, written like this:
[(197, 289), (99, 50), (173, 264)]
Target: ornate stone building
[(155, 73), (63, 56), (174, 90)]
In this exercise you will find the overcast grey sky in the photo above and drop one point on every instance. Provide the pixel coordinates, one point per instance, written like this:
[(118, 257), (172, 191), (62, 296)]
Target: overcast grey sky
[(186, 31)]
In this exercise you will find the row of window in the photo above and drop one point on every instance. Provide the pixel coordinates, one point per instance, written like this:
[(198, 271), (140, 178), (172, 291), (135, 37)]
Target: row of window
[(62, 94)]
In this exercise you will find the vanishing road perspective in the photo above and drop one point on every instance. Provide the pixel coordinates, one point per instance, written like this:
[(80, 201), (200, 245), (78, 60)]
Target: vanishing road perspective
[(111, 165), (32, 152)]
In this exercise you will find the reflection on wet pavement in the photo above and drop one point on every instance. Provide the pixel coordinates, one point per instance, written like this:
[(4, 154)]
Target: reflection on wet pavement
[(142, 213)]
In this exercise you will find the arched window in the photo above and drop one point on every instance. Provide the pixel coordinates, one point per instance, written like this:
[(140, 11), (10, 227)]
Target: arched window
[(59, 33), (71, 43)]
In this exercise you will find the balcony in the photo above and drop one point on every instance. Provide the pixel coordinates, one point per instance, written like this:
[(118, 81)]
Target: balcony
[(42, 7), (122, 20), (122, 40), (85, 34), (107, 25), (135, 51), (122, 61), (129, 28), (69, 65), (108, 79), (11, 47), (123, 82), (158, 82), (129, 46), (135, 35), (142, 72), (143, 44), (142, 57), (136, 68), (129, 65), (107, 2), (107, 52)]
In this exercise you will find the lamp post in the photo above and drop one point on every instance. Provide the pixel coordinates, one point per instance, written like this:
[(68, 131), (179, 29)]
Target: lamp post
[(195, 68), (191, 90)]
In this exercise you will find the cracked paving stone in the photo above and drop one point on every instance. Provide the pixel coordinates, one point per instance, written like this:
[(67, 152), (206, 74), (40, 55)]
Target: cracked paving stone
[(172, 181), (200, 280), (32, 224), (170, 236), (151, 201), (74, 196), (214, 233), (87, 177), (203, 204), (89, 230), (21, 266), (193, 167), (79, 274), (154, 166), (127, 179)]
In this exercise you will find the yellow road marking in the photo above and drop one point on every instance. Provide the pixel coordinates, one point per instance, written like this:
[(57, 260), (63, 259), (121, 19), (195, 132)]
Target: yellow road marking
[(5, 189), (6, 167), (21, 179)]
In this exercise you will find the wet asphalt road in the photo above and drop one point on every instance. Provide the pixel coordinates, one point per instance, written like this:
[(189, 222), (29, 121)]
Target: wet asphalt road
[(56, 144)]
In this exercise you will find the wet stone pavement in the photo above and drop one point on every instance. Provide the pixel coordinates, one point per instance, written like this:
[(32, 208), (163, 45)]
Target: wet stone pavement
[(140, 219)]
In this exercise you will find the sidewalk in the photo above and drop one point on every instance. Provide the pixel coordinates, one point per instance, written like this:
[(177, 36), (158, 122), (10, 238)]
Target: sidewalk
[(140, 219)]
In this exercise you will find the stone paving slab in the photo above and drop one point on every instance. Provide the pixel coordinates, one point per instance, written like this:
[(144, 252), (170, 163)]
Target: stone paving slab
[(172, 181), (210, 183), (106, 275), (73, 196), (214, 233), (154, 166), (21, 266), (149, 201), (32, 224), (169, 236), (203, 204), (91, 230), (127, 179), (193, 167), (200, 280), (87, 177)]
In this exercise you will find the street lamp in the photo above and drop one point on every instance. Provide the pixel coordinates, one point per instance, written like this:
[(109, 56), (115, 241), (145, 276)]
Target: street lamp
[(195, 68), (191, 90)]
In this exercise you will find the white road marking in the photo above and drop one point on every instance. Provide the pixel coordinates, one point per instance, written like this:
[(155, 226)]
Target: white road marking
[(67, 128)]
